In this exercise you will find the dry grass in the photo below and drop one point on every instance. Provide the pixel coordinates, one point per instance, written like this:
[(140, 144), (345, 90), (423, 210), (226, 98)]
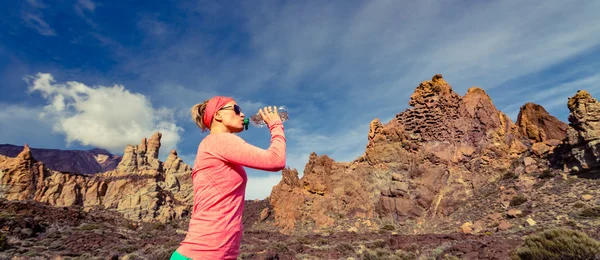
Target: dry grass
[(560, 243)]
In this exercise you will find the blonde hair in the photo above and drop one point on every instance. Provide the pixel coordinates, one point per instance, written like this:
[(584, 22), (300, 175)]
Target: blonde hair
[(198, 115)]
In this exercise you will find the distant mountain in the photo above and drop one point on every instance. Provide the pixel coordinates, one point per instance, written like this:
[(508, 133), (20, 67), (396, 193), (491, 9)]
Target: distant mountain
[(72, 161)]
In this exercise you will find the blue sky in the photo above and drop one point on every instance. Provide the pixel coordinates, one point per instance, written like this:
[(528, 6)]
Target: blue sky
[(78, 74)]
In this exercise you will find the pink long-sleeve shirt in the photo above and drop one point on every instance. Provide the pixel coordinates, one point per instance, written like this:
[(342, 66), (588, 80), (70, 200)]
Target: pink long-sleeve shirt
[(219, 180)]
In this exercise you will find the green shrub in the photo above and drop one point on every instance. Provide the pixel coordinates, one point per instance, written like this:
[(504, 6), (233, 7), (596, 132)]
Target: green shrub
[(560, 243)]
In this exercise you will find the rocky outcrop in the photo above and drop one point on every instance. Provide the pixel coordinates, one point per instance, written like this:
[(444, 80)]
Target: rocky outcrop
[(142, 157), (423, 164), (539, 126), (583, 134), (74, 161), (141, 188)]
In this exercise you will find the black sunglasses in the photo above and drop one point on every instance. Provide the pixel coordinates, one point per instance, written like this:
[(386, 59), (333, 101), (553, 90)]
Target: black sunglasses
[(236, 109)]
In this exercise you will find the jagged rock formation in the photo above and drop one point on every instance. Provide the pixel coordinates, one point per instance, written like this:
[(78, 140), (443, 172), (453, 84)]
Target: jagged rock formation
[(423, 164), (545, 131), (141, 188), (143, 156), (583, 134), (74, 161), (535, 123)]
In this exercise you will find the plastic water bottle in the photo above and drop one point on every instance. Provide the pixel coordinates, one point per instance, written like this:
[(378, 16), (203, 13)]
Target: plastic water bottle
[(257, 120)]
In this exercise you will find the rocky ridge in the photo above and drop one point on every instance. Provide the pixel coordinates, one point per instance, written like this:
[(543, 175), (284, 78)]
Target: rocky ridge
[(421, 166), (141, 188)]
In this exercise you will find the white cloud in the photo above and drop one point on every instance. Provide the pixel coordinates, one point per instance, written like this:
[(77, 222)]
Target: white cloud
[(105, 117), (37, 22)]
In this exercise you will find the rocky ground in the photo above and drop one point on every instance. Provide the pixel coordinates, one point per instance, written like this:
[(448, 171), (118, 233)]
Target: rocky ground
[(32, 230), (35, 231)]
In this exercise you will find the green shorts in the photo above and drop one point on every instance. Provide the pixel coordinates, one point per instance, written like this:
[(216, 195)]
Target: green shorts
[(177, 256)]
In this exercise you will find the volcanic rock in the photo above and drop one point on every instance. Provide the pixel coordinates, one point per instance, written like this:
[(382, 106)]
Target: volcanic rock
[(536, 124), (583, 134), (423, 164)]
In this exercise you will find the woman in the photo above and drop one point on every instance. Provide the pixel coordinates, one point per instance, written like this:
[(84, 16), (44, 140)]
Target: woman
[(215, 228)]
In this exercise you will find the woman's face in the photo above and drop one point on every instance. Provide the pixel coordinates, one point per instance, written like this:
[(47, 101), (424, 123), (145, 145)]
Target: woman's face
[(231, 116)]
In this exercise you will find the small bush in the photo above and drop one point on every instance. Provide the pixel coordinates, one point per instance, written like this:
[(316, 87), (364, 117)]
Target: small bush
[(388, 227), (279, 247), (303, 241), (509, 175), (128, 249), (377, 254), (3, 242), (344, 248), (451, 257), (89, 227), (379, 243), (162, 253), (385, 254), (546, 174), (518, 200), (159, 226), (322, 242), (244, 256), (590, 213), (560, 243)]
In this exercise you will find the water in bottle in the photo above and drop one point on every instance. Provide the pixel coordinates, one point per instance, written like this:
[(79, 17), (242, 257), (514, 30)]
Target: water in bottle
[(257, 120)]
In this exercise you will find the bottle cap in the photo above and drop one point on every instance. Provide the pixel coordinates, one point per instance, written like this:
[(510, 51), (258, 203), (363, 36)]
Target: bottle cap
[(246, 122)]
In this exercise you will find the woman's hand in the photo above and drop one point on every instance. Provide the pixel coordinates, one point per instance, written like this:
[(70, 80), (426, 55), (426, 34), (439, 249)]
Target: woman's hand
[(269, 114)]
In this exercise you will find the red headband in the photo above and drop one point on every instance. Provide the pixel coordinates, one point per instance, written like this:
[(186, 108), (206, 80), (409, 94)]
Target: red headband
[(213, 105)]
